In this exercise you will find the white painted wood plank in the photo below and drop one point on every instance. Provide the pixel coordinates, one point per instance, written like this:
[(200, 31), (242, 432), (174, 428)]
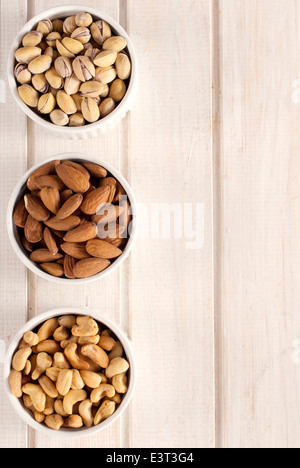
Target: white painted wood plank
[(12, 166), (103, 296), (261, 225), (171, 288)]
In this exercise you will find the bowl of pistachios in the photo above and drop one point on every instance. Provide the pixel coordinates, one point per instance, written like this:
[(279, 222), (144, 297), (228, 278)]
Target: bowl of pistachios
[(73, 70)]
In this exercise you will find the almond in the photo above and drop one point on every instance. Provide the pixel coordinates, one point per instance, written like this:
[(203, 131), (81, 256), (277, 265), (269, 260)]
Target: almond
[(47, 169), (27, 245), (75, 249), (70, 206), (73, 178), (101, 249), (50, 241), (20, 214), (95, 170), (33, 230), (118, 242), (110, 214), (83, 233), (90, 267), (51, 198), (112, 184), (63, 224), (69, 263), (53, 269), (120, 192), (95, 200), (65, 195), (49, 181), (44, 256), (36, 208), (79, 168), (110, 232)]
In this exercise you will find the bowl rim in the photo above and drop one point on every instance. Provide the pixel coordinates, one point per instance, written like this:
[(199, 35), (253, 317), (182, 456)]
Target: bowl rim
[(123, 106), (20, 252), (67, 433)]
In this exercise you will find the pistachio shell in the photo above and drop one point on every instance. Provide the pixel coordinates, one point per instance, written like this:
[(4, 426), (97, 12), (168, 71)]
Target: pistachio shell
[(100, 31), (22, 74), (106, 58), (116, 43), (106, 107), (90, 110), (123, 66), (78, 101), (45, 27), (72, 45), (63, 51), (82, 35), (91, 89), (69, 25), (52, 38), (58, 117), (27, 54), (46, 103), (76, 120), (83, 19), (32, 39), (66, 103), (117, 90), (105, 75), (28, 95), (63, 66), (40, 64), (83, 68), (40, 83), (72, 85), (58, 26), (54, 79)]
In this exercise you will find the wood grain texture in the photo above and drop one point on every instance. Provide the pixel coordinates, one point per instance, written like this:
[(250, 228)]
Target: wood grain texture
[(259, 177)]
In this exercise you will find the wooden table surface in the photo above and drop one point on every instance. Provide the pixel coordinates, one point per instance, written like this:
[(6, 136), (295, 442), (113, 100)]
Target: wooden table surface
[(215, 128)]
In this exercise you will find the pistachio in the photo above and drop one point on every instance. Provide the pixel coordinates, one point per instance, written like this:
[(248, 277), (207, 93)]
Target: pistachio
[(83, 19), (91, 89), (63, 66), (100, 31), (22, 74), (92, 53), (43, 45), (82, 35), (117, 90), (66, 103), (106, 58), (116, 43), (26, 54), (40, 83), (69, 25), (45, 27), (72, 85), (106, 107), (83, 68), (28, 95), (52, 38), (46, 103), (32, 39), (52, 53), (105, 91), (40, 64), (105, 75), (63, 51), (58, 26), (76, 120), (123, 66), (58, 117), (90, 110), (78, 101), (54, 79), (72, 45)]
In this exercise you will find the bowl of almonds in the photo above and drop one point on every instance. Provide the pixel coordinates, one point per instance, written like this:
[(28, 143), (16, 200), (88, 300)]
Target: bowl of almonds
[(71, 371), (72, 219), (73, 71)]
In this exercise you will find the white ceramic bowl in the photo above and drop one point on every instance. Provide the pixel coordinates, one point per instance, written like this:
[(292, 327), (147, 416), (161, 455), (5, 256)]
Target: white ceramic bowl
[(103, 125), (65, 432), (13, 233)]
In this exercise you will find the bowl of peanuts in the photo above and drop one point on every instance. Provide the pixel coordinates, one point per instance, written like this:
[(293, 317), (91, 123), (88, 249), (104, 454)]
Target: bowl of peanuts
[(73, 70), (70, 371), (72, 218)]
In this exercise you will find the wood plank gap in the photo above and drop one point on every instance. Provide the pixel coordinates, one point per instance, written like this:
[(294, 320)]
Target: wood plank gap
[(216, 114)]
